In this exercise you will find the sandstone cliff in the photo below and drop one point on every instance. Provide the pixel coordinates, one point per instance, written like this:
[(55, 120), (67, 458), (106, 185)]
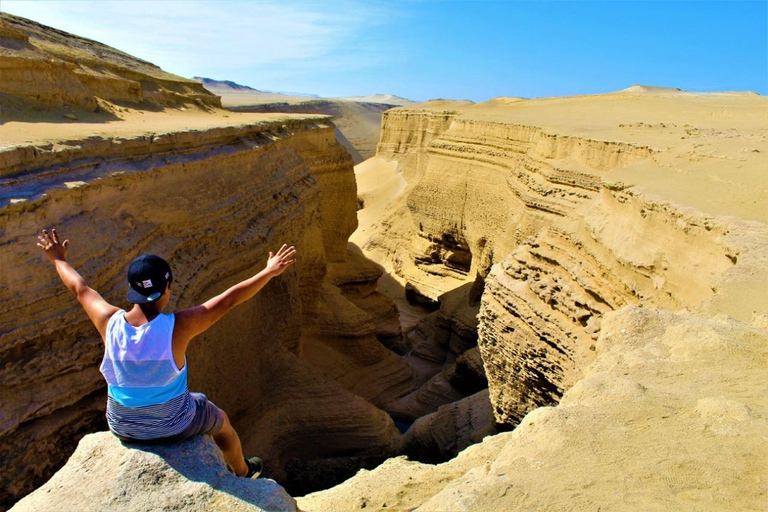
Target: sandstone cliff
[(214, 201), (558, 212), (51, 67), (558, 219)]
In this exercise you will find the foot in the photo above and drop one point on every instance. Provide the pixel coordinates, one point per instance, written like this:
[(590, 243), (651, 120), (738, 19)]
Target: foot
[(254, 467)]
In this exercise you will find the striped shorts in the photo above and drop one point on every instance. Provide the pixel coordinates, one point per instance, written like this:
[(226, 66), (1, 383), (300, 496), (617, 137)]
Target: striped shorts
[(208, 419)]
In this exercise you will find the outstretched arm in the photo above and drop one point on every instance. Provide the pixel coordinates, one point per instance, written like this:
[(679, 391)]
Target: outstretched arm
[(193, 321), (97, 309)]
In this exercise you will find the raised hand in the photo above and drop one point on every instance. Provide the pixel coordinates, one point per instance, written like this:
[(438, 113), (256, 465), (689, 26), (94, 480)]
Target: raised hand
[(280, 261), (49, 243)]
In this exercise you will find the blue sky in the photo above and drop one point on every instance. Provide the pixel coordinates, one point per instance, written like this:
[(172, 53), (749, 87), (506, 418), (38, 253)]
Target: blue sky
[(421, 50)]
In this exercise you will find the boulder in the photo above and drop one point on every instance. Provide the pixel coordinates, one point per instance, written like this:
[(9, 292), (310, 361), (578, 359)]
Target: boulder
[(107, 474)]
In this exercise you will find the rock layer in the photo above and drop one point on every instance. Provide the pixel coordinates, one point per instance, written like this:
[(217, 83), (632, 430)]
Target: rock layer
[(517, 199), (51, 67), (213, 202)]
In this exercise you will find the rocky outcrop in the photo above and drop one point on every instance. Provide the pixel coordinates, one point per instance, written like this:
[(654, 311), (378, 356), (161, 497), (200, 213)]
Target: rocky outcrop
[(438, 349), (51, 67), (105, 474), (443, 434), (213, 202), (667, 415)]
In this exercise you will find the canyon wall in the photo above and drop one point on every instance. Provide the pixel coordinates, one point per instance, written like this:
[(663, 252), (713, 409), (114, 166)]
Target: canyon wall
[(547, 251), (213, 202), (570, 226), (509, 200)]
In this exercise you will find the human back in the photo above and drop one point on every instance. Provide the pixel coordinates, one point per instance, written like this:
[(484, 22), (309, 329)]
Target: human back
[(148, 397)]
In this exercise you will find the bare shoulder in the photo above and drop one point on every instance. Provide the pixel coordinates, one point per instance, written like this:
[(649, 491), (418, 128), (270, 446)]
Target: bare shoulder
[(189, 322), (97, 309)]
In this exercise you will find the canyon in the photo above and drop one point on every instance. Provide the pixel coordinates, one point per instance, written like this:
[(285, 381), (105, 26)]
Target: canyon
[(563, 298), (357, 119), (184, 180)]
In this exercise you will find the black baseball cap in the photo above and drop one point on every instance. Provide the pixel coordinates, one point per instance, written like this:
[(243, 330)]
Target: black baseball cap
[(148, 277)]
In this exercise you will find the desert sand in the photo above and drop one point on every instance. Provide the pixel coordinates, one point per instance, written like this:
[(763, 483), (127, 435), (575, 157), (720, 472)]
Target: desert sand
[(130, 123)]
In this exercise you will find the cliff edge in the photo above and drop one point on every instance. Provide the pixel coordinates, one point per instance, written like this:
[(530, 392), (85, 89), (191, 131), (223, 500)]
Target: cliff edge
[(105, 474)]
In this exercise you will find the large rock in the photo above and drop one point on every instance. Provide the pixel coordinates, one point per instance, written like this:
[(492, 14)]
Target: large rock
[(105, 474), (443, 434)]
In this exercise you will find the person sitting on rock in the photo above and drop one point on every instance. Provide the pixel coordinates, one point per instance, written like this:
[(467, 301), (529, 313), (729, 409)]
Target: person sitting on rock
[(144, 352)]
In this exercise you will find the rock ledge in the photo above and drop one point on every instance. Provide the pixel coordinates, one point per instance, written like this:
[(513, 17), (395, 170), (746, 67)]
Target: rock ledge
[(105, 474)]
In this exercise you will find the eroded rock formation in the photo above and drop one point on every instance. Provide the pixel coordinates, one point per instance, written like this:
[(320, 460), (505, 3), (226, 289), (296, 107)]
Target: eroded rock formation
[(557, 224), (213, 202), (669, 414), (547, 237)]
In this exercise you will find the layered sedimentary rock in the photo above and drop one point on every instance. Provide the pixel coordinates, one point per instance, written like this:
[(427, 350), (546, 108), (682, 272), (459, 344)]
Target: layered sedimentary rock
[(51, 67), (557, 224), (213, 202), (443, 434), (436, 349), (348, 339)]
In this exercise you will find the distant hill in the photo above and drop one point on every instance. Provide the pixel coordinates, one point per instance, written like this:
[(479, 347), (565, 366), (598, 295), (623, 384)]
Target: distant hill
[(228, 85), (389, 99), (358, 118), (210, 83)]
